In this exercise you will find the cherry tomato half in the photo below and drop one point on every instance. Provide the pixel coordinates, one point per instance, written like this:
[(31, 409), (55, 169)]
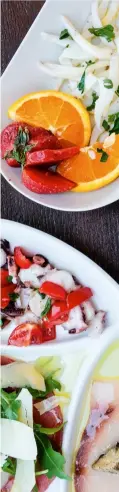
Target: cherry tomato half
[(26, 334), (20, 258)]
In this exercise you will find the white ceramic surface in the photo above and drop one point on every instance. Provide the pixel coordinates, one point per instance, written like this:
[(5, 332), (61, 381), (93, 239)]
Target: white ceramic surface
[(23, 76), (106, 290), (82, 382)]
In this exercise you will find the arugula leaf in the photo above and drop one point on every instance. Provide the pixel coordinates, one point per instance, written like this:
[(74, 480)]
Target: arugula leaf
[(106, 32), (108, 83), (10, 466), (14, 296), (9, 405), (48, 430), (105, 125), (117, 91), (104, 156), (35, 489), (9, 278), (92, 106), (50, 383), (81, 84), (46, 308), (50, 459), (65, 34)]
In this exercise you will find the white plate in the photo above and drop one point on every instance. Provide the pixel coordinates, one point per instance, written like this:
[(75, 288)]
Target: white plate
[(88, 273), (23, 76), (75, 410)]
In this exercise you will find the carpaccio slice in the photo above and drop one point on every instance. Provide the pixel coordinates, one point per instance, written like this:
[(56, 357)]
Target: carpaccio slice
[(52, 418), (101, 434), (42, 482)]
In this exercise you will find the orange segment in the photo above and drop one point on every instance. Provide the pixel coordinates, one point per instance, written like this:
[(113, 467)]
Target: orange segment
[(61, 113), (91, 174)]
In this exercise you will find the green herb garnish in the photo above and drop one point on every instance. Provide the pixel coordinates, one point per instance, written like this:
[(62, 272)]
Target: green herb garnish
[(117, 91), (14, 296), (106, 32), (10, 466), (1, 322), (81, 84), (105, 125), (9, 405), (9, 278), (65, 34), (108, 83), (90, 62), (115, 128), (46, 308), (104, 155), (50, 383), (92, 106), (21, 146)]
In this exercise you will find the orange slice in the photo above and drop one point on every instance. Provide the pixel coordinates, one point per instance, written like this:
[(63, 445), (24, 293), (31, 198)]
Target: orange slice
[(87, 170), (61, 113)]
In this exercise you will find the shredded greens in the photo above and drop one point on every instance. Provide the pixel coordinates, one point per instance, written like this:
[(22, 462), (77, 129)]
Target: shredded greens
[(106, 32)]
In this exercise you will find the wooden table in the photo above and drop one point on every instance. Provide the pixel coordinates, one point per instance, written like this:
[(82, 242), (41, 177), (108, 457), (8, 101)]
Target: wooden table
[(95, 233)]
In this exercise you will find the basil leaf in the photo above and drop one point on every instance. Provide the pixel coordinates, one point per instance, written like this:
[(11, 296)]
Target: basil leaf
[(9, 278), (108, 83), (104, 156), (92, 106), (81, 84), (50, 459), (10, 466), (105, 125), (65, 34), (14, 296), (106, 32), (117, 91), (49, 431), (46, 308)]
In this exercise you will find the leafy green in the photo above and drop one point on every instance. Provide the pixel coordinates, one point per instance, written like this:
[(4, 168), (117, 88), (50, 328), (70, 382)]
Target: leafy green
[(46, 308), (115, 128), (42, 295), (20, 146), (9, 466), (105, 125), (9, 405), (14, 296), (104, 156), (50, 459), (112, 117), (65, 34), (92, 106), (48, 430), (50, 383), (1, 322), (9, 278), (35, 489), (108, 83), (81, 84), (117, 91), (90, 62), (106, 32)]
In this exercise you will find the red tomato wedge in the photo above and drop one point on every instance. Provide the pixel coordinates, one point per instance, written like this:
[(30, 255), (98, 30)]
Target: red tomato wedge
[(4, 277), (45, 181), (5, 295), (20, 258), (78, 296), (53, 290), (49, 333), (50, 156), (26, 334)]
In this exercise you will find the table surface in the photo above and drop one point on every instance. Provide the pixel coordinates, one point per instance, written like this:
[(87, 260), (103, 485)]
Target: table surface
[(95, 233)]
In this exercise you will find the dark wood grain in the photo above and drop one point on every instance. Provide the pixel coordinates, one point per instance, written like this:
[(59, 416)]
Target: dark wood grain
[(95, 233)]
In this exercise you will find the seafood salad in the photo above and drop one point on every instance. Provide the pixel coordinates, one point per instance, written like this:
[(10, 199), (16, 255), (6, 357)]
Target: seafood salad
[(40, 303)]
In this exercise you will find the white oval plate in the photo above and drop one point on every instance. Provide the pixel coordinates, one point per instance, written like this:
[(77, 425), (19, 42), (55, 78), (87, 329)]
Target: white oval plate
[(83, 380), (23, 76), (88, 273)]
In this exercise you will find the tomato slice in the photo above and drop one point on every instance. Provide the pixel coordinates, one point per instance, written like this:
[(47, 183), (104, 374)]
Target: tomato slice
[(20, 258), (5, 295), (53, 290), (26, 334), (49, 333), (78, 296), (4, 277)]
